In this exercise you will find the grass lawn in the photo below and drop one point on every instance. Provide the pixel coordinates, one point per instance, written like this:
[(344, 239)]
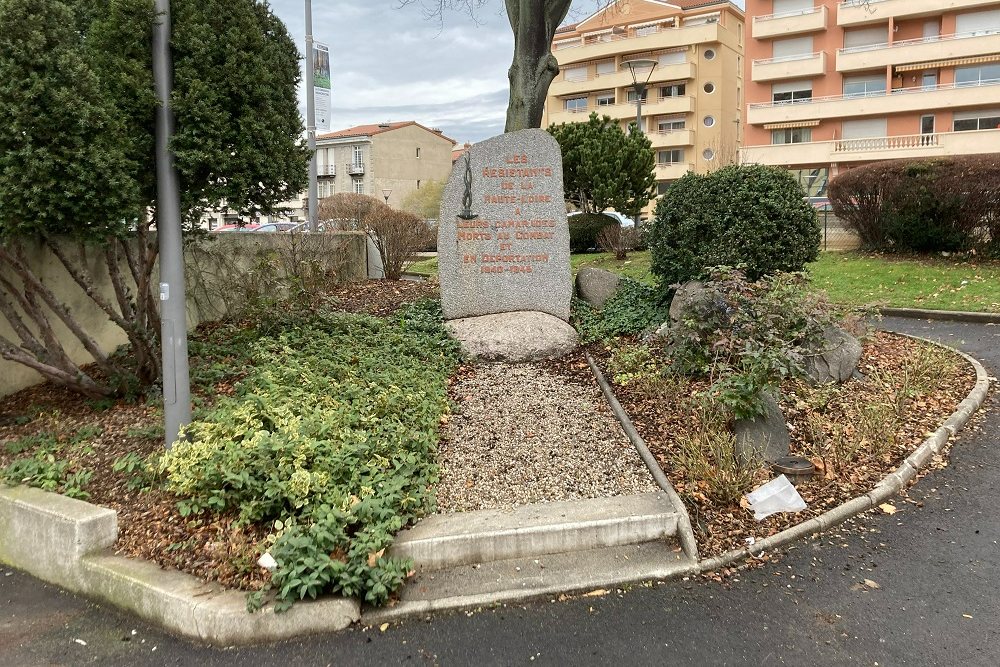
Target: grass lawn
[(852, 278), (936, 283)]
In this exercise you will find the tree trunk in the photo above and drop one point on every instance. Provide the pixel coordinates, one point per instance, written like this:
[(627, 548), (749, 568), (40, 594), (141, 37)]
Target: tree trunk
[(534, 23)]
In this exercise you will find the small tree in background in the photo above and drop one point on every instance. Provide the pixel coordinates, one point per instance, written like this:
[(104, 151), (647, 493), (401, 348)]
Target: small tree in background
[(751, 216), (425, 202), (603, 167), (397, 235)]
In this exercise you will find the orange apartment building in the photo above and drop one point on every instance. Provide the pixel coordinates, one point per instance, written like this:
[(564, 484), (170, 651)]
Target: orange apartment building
[(692, 107), (834, 84)]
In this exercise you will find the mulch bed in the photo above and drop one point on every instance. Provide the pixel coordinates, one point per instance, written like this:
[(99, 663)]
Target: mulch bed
[(721, 528), (213, 548)]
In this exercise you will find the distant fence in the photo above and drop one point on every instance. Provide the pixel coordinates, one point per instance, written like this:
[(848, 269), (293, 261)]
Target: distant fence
[(836, 236), (217, 273)]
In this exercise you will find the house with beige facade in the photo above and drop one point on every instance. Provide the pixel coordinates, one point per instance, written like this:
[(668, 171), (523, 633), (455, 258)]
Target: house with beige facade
[(691, 109), (832, 84)]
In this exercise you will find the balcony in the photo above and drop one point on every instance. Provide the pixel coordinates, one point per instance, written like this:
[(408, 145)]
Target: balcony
[(356, 168), (923, 49), (671, 171), (620, 79), (626, 111), (856, 13), (671, 139), (789, 67), (790, 23), (326, 170), (610, 45), (818, 153), (904, 100)]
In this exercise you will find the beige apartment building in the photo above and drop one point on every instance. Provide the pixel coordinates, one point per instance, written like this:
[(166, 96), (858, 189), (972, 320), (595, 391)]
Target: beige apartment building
[(833, 84), (692, 107), (375, 160)]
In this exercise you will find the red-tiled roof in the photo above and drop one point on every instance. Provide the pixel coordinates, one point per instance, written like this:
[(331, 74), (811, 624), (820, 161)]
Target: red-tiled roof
[(378, 128)]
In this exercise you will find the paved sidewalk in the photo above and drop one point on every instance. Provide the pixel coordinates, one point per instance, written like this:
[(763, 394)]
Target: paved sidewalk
[(937, 568)]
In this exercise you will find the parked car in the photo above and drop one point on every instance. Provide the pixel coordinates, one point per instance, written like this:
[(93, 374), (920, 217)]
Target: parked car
[(623, 220), (280, 227), (236, 228)]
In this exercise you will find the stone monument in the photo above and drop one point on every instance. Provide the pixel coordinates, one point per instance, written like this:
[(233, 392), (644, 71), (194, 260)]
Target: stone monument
[(503, 249)]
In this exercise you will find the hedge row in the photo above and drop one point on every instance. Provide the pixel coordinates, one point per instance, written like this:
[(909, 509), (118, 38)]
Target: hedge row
[(948, 204)]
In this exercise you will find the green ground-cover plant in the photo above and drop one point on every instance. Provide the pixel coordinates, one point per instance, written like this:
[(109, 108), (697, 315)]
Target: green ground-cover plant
[(49, 462), (633, 309), (330, 437)]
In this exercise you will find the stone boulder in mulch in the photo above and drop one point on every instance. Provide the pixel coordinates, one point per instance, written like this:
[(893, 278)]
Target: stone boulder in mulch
[(596, 286), (765, 438), (517, 336), (834, 359)]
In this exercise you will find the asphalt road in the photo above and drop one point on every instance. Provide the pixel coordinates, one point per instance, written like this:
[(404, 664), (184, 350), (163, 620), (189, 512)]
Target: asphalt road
[(937, 568)]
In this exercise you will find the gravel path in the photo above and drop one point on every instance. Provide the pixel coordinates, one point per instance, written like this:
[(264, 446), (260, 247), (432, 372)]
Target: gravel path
[(522, 435)]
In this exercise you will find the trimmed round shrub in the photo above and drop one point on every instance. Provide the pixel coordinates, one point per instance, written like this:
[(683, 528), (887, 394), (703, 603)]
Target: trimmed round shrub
[(584, 228), (944, 204), (751, 216)]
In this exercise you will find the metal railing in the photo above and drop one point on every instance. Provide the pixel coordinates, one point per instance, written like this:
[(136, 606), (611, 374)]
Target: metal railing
[(585, 40), (917, 40), (788, 59), (880, 93), (355, 168), (787, 15)]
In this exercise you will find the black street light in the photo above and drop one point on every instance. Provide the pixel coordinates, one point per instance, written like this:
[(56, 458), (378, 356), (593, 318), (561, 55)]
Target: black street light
[(385, 193), (639, 88)]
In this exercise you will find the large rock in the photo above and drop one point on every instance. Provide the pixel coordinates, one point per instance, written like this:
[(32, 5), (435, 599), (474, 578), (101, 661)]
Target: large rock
[(596, 286), (521, 336), (834, 359), (764, 438), (503, 240), (693, 300)]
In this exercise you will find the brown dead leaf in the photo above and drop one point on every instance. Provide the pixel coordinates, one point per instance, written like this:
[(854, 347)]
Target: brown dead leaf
[(872, 584), (600, 592), (373, 557), (888, 508)]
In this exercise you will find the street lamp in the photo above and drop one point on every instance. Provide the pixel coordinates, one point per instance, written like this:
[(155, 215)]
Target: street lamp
[(639, 88), (385, 193)]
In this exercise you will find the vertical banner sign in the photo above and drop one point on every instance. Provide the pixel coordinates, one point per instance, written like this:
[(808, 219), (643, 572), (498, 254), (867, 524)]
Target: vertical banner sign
[(321, 85)]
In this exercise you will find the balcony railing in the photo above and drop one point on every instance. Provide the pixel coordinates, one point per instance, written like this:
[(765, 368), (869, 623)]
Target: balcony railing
[(326, 170), (918, 40), (908, 141), (355, 168), (606, 38), (788, 59), (786, 15), (881, 93)]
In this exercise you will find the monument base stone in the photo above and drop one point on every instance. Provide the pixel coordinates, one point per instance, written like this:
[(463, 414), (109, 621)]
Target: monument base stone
[(517, 336)]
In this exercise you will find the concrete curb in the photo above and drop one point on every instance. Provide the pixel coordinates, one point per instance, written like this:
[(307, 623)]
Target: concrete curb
[(66, 542), (944, 315), (684, 530), (888, 487)]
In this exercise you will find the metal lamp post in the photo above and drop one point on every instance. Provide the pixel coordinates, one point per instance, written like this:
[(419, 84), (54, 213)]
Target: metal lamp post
[(311, 121), (639, 88), (385, 193), (173, 314)]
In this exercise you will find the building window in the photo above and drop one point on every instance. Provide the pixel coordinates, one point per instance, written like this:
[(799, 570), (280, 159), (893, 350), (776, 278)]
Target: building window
[(631, 95), (813, 181), (647, 30), (709, 54), (791, 92), (673, 90), (978, 75), (359, 186), (418, 184), (606, 67), (709, 87), (977, 120), (576, 104), (674, 156), (576, 73), (709, 121), (670, 124), (672, 58), (864, 86), (791, 135), (605, 99), (418, 152), (662, 187), (708, 154)]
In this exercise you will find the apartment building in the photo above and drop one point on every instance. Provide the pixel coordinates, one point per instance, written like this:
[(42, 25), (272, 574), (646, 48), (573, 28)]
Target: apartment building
[(386, 158), (833, 84), (691, 109)]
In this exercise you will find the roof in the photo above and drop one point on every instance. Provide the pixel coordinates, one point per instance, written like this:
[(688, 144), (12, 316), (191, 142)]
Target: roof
[(379, 128), (459, 151), (610, 14)]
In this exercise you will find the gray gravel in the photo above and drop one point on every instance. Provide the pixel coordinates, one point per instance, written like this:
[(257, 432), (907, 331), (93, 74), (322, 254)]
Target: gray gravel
[(522, 435)]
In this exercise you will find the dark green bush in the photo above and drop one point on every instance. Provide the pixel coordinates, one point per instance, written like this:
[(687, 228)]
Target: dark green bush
[(584, 228), (751, 216), (633, 309), (945, 204)]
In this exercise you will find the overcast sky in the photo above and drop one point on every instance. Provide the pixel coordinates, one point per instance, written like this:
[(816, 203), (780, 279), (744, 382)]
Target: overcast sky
[(390, 63)]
